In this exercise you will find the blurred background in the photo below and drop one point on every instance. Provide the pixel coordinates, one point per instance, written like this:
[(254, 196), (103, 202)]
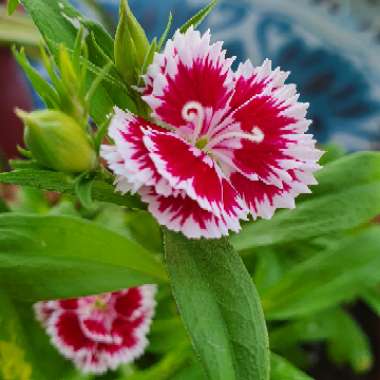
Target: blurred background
[(331, 47)]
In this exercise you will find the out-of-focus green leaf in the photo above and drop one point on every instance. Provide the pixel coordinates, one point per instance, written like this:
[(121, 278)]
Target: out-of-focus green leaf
[(59, 256), (332, 153), (140, 225), (12, 6), (328, 278), (281, 369), (166, 367), (198, 17), (39, 345), (64, 183), (17, 361), (3, 206), (40, 85), (372, 298), (348, 195), (166, 335), (347, 342), (17, 29), (191, 372), (219, 306), (268, 270)]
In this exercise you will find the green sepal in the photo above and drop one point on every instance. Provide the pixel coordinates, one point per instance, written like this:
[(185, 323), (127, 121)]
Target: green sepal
[(57, 141)]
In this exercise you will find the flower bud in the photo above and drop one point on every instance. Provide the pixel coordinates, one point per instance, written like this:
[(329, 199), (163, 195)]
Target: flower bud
[(131, 44), (57, 141)]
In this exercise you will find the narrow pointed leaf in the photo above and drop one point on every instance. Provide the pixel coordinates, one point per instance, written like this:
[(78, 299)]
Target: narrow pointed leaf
[(198, 17), (281, 369), (219, 306), (326, 279), (64, 183)]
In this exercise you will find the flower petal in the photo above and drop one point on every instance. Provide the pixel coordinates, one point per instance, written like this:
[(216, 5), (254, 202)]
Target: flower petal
[(190, 69), (129, 158), (262, 199), (189, 169), (262, 101), (182, 214)]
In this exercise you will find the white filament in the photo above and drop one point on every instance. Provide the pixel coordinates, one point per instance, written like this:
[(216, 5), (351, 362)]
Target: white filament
[(194, 112), (257, 136)]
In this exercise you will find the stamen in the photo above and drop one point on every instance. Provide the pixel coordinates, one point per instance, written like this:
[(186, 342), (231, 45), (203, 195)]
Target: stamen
[(193, 112), (256, 136)]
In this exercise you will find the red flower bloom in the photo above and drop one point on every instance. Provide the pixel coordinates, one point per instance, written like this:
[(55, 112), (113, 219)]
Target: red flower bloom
[(224, 145), (100, 332)]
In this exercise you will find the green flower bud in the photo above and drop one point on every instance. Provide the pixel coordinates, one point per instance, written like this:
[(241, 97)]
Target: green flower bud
[(57, 141), (131, 44)]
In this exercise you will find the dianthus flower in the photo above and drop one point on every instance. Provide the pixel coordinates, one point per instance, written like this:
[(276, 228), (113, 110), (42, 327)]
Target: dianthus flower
[(223, 144), (100, 332)]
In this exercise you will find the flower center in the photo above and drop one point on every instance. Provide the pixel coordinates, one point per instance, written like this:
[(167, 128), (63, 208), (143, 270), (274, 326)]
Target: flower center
[(100, 304), (202, 142), (193, 112)]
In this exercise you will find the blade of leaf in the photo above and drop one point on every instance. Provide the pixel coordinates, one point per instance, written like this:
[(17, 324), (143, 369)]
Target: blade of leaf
[(323, 281), (83, 189), (219, 306), (165, 34), (12, 6), (281, 369), (43, 88), (198, 17), (64, 183), (17, 359), (48, 257)]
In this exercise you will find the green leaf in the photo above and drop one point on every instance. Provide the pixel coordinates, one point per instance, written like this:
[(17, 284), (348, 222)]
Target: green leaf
[(198, 17), (12, 6), (165, 34), (48, 257), (281, 369), (17, 361), (166, 367), (64, 183), (372, 298), (326, 279), (348, 344), (3, 206), (166, 335), (17, 29), (149, 56), (219, 306), (83, 189), (39, 345), (62, 28), (268, 270), (329, 210)]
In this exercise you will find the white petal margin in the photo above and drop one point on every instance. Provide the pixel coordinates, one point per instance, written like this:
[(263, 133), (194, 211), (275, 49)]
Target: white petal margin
[(131, 173), (173, 213)]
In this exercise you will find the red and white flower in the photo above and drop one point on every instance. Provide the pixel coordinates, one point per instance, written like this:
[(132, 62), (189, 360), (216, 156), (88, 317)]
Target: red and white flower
[(223, 144), (100, 332)]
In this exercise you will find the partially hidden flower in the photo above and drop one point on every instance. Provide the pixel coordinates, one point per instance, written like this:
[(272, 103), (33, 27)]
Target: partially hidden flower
[(100, 332), (224, 144)]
